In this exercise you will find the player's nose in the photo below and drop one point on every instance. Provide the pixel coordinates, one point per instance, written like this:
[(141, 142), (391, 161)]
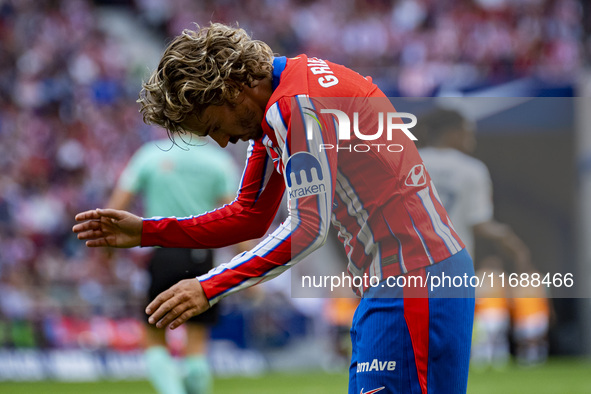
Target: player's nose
[(221, 138)]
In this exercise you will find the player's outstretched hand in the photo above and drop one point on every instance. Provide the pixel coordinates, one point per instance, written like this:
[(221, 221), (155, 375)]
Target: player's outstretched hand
[(176, 305), (109, 227)]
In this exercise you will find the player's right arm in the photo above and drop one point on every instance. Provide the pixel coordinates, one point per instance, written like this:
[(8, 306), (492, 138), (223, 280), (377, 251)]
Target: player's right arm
[(248, 216)]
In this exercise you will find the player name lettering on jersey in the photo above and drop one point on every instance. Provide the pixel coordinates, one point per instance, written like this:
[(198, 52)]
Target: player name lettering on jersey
[(319, 67), (376, 365)]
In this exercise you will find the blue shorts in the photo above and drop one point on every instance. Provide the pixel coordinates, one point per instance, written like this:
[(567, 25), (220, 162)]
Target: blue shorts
[(416, 340)]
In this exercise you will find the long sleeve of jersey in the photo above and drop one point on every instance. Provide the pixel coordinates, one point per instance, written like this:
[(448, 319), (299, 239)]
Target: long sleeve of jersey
[(308, 176), (248, 216)]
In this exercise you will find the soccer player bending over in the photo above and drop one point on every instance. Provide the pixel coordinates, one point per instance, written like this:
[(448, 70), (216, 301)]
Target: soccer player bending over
[(220, 83)]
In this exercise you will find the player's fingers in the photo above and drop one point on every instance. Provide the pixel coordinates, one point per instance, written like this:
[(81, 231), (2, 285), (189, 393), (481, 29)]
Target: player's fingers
[(183, 318), (167, 312), (160, 298), (154, 306), (172, 315), (87, 215), (87, 226), (80, 227), (89, 232), (94, 243), (111, 213)]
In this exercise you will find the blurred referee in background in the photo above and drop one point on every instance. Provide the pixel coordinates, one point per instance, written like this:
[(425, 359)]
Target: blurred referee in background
[(177, 181)]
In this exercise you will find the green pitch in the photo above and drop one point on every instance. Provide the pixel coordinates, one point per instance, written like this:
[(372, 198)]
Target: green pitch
[(557, 376)]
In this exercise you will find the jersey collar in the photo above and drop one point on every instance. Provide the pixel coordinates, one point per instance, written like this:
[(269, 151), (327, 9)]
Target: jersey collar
[(278, 67)]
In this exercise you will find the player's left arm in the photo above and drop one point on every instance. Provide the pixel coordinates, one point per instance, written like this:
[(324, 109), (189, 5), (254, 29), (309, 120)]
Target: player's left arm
[(310, 176)]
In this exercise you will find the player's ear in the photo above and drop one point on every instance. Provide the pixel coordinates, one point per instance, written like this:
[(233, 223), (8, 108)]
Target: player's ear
[(250, 89), (238, 90), (254, 83), (239, 99)]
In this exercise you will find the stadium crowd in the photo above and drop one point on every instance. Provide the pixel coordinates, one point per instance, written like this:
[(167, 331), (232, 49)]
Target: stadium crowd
[(412, 47), (69, 121)]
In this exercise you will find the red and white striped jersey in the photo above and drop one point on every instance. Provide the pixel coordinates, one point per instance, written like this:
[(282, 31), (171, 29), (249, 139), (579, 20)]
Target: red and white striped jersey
[(374, 190)]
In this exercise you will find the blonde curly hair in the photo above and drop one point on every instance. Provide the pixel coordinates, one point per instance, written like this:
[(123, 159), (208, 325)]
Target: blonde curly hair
[(199, 68)]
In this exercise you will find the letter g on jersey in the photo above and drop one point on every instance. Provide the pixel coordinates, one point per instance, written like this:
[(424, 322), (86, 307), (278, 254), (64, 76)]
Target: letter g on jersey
[(416, 176), (304, 175)]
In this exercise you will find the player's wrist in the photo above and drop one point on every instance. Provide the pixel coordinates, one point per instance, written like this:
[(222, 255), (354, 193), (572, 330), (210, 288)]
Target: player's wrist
[(148, 235), (207, 291)]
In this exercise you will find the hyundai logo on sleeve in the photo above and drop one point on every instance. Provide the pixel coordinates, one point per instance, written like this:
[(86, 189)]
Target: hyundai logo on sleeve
[(416, 176), (304, 175)]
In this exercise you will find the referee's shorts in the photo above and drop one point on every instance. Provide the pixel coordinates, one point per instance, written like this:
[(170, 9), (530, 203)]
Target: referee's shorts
[(169, 266)]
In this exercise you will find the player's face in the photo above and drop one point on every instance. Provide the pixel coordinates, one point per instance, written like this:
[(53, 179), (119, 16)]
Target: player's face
[(227, 123)]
